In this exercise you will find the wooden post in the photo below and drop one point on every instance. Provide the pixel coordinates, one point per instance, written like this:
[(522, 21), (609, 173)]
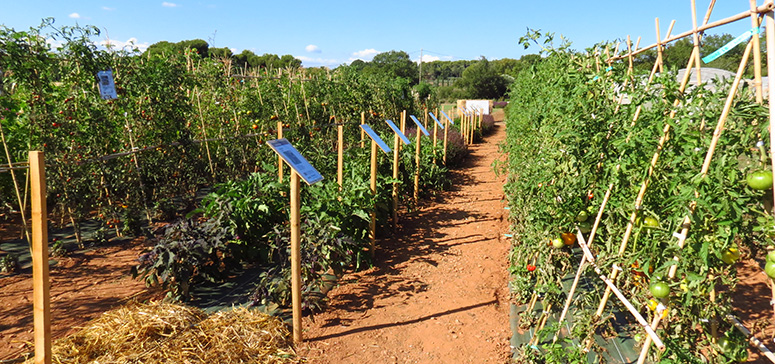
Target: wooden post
[(446, 133), (396, 149), (757, 56), (696, 40), (417, 168), (373, 187), (363, 133), (435, 132), (40, 280), (340, 155), (279, 159), (659, 47), (296, 256)]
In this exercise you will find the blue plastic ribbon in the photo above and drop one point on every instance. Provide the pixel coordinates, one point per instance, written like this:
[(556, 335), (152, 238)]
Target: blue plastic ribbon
[(732, 44)]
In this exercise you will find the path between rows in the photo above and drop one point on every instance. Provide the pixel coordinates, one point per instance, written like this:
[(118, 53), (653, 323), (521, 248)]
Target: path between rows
[(438, 290)]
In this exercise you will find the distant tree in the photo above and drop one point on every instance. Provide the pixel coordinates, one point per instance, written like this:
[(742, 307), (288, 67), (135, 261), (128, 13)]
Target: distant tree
[(162, 47), (289, 61), (482, 81), (424, 90), (199, 45), (220, 52), (395, 64), (358, 65)]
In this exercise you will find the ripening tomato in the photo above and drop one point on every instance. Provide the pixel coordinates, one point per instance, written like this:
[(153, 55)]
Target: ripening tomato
[(568, 238), (731, 255), (531, 267), (557, 243)]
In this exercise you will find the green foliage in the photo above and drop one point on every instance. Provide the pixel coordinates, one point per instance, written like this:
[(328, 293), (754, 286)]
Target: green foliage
[(482, 81), (568, 140)]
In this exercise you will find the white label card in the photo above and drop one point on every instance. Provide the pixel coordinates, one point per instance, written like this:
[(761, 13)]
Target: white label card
[(398, 131), (290, 155), (448, 118), (373, 135), (107, 87), (436, 120), (419, 125)]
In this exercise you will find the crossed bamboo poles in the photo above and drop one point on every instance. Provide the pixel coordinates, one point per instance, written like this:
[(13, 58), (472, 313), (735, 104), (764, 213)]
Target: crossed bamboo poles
[(693, 62)]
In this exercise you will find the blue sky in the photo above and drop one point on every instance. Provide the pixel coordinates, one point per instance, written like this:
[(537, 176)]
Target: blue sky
[(330, 33)]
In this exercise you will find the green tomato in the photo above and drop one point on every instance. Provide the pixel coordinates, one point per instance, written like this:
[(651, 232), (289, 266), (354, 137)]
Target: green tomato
[(659, 289), (771, 256), (731, 255), (760, 180), (582, 216), (725, 344), (650, 222), (769, 269), (557, 243)]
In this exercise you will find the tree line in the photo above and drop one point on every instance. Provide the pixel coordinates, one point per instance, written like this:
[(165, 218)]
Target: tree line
[(472, 79)]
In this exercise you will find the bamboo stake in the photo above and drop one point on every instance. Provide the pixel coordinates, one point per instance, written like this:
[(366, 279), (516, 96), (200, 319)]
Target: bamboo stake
[(751, 338), (363, 132), (696, 40), (340, 155), (770, 31), (204, 134), (373, 188), (41, 283), (417, 167), (769, 6), (280, 162), (446, 135), (757, 55), (704, 172), (296, 256), (396, 149), (16, 186)]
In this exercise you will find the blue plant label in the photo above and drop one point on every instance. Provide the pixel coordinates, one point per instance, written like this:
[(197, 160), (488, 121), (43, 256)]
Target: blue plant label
[(107, 87), (419, 125), (290, 155), (436, 120), (398, 132), (732, 44), (448, 118), (373, 135)]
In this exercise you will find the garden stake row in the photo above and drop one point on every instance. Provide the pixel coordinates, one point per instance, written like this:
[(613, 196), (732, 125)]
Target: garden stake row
[(751, 338), (591, 259), (644, 185), (704, 172), (603, 204)]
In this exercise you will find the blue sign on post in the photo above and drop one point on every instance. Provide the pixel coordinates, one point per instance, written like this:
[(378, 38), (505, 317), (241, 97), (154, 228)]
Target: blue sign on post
[(373, 135), (436, 120), (419, 125), (290, 155), (398, 131), (448, 118)]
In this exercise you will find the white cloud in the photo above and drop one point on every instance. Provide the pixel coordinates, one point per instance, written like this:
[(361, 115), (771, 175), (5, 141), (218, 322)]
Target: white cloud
[(365, 55), (312, 48), (75, 16), (233, 50), (106, 8), (130, 44), (428, 58), (169, 5), (318, 62)]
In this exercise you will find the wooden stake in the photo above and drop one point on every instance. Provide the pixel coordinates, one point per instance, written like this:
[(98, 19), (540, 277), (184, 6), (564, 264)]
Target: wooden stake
[(696, 40), (280, 159), (373, 187), (204, 134), (16, 186), (363, 132), (340, 155), (757, 55), (40, 279), (446, 133), (770, 31), (296, 256), (417, 167), (396, 149)]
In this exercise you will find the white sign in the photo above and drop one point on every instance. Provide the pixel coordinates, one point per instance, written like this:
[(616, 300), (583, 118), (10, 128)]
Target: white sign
[(373, 135), (482, 105), (436, 120), (290, 155), (398, 131), (448, 118), (419, 125), (107, 87)]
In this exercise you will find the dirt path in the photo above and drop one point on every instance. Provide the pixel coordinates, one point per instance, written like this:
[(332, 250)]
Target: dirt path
[(438, 292)]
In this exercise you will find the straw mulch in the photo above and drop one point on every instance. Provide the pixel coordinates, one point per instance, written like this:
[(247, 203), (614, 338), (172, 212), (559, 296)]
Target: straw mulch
[(169, 333)]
